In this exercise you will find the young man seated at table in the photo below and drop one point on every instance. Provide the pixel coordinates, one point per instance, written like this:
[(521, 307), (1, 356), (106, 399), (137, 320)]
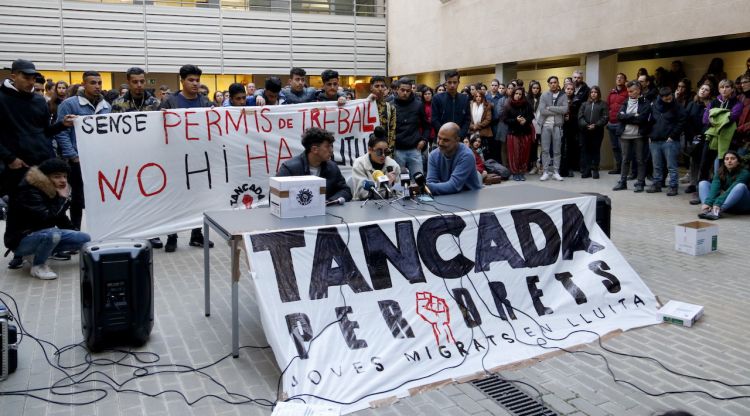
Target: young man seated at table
[(452, 166), (316, 161)]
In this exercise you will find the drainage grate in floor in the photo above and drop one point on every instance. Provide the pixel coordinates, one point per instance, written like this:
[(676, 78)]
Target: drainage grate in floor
[(511, 398)]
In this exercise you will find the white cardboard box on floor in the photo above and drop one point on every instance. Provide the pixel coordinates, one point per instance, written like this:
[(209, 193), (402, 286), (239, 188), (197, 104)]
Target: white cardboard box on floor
[(297, 196), (680, 313), (696, 237), (303, 409)]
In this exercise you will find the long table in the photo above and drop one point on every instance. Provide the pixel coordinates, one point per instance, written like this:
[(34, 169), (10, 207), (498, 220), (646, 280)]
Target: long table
[(230, 225)]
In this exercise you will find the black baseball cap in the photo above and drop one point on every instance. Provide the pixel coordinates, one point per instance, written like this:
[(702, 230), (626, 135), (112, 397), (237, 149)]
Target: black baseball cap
[(22, 65)]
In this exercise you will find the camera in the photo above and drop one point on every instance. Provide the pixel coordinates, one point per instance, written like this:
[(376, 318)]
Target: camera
[(8, 347)]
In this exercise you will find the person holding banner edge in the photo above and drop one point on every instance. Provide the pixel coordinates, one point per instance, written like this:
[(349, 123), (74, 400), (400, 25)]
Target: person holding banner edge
[(237, 95), (188, 97), (270, 95), (297, 92), (89, 101), (316, 161), (330, 91), (138, 99), (376, 158)]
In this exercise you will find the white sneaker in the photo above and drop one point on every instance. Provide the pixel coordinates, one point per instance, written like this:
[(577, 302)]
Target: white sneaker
[(545, 176), (557, 176), (686, 178), (533, 171), (43, 272)]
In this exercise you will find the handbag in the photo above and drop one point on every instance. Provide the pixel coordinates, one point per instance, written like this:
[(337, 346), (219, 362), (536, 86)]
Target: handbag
[(695, 146), (494, 167)]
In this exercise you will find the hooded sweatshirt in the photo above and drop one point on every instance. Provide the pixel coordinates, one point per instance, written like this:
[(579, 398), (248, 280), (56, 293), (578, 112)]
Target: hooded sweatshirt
[(25, 126), (669, 121)]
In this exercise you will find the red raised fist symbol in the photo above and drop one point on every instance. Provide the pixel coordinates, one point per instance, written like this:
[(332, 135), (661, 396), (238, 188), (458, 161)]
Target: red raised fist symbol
[(247, 200), (434, 310)]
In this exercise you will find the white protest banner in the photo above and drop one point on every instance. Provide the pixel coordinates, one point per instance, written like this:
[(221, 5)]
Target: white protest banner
[(150, 173), (360, 312)]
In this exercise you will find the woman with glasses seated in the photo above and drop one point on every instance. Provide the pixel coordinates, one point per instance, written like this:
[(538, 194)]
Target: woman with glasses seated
[(376, 159)]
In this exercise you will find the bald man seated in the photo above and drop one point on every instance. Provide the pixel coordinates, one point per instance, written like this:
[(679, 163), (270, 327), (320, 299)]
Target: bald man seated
[(452, 166)]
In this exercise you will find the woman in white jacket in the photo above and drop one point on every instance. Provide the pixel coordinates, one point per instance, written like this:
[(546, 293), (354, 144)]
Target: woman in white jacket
[(377, 158)]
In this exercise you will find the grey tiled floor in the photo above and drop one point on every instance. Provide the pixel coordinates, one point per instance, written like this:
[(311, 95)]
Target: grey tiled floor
[(642, 229)]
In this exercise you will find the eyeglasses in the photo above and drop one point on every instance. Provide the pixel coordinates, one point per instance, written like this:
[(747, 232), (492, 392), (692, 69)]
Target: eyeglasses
[(382, 152)]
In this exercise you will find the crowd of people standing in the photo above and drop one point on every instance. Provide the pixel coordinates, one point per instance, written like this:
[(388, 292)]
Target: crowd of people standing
[(655, 123), (510, 131)]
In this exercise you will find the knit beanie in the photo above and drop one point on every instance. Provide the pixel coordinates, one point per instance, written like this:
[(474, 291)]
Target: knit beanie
[(54, 165)]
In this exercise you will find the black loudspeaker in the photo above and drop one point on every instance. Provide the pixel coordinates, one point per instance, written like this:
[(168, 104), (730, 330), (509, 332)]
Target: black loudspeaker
[(117, 293), (603, 211), (8, 344)]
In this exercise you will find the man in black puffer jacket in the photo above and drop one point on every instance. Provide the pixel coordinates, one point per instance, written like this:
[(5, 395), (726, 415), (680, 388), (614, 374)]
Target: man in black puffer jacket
[(410, 122), (664, 140), (37, 223)]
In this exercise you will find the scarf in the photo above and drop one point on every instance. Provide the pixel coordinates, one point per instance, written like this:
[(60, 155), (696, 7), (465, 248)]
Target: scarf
[(477, 110)]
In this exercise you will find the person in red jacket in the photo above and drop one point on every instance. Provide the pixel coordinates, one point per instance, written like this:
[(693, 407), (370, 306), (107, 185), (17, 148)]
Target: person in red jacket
[(617, 96)]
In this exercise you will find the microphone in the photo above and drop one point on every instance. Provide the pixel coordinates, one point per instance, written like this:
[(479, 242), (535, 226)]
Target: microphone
[(382, 180), (421, 181), (368, 185), (338, 201)]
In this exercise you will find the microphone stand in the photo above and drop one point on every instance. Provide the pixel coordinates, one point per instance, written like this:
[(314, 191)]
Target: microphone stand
[(379, 203), (369, 197), (401, 198)]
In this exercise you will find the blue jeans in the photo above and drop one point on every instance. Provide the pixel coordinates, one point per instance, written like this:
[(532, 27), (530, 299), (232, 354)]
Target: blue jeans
[(660, 150), (614, 140), (410, 159), (738, 200), (41, 244)]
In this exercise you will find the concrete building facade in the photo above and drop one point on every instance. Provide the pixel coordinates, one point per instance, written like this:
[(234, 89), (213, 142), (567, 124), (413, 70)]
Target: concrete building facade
[(231, 40)]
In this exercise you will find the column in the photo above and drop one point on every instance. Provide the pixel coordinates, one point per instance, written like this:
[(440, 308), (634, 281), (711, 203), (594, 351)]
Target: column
[(506, 72), (591, 75), (601, 69)]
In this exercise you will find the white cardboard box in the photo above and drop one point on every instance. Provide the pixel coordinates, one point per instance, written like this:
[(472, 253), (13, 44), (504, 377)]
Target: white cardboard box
[(680, 313), (297, 196), (696, 237), (303, 409)]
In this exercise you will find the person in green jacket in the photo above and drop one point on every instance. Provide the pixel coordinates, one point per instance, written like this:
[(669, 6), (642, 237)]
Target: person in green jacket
[(728, 191)]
